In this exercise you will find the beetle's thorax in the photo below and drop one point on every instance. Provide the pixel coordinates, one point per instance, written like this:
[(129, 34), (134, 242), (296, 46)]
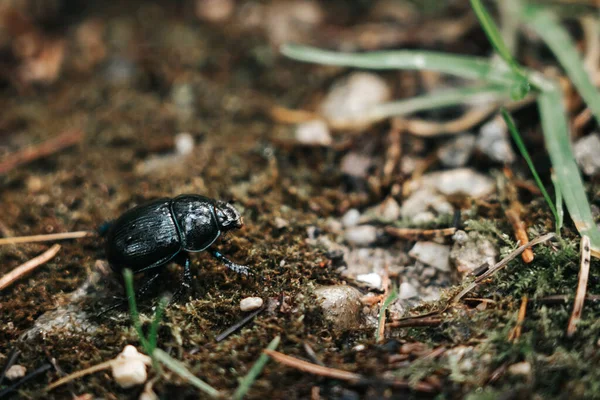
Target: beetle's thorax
[(227, 216)]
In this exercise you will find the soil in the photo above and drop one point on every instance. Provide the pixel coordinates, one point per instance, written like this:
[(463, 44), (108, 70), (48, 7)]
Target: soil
[(165, 73)]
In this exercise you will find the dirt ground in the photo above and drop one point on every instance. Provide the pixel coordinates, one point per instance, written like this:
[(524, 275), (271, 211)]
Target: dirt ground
[(133, 77)]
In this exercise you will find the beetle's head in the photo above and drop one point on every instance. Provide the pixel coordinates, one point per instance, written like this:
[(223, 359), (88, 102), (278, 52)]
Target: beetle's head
[(228, 216)]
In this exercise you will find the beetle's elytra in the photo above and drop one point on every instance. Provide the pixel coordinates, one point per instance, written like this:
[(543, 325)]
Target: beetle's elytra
[(151, 235)]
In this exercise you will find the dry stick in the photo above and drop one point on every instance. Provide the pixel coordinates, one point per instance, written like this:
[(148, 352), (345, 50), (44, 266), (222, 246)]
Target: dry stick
[(520, 232), (515, 334), (79, 374), (415, 322), (338, 373), (44, 149), (563, 298), (416, 234), (584, 272), (47, 238), (28, 266)]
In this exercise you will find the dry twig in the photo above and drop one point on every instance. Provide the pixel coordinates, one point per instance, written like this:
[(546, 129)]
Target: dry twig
[(47, 238), (419, 234), (515, 333), (584, 272), (44, 149), (28, 266)]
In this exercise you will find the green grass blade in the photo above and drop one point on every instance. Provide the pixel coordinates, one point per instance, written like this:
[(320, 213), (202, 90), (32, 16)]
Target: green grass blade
[(255, 371), (470, 95), (386, 303), (468, 67), (559, 41), (181, 370), (463, 66), (153, 332), (554, 125), (519, 141), (133, 311), (559, 203), (493, 34)]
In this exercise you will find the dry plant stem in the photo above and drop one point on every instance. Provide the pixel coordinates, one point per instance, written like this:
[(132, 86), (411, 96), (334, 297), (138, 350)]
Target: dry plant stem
[(419, 234), (420, 127), (500, 265), (563, 299), (338, 373), (520, 232), (28, 266), (50, 146), (415, 322), (584, 272), (515, 334), (79, 374), (393, 154), (47, 238), (288, 116)]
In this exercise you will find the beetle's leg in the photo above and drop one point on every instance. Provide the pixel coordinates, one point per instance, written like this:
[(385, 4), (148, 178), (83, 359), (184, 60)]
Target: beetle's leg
[(125, 300), (240, 269), (186, 277)]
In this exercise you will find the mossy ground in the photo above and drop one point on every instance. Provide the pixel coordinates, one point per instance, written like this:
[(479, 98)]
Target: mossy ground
[(237, 158)]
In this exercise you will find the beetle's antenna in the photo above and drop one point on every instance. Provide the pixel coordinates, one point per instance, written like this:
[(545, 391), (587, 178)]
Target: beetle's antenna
[(47, 238)]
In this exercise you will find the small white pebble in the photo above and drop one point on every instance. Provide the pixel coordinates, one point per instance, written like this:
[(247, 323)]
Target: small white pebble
[(521, 368), (15, 372), (373, 279), (407, 291), (351, 218), (251, 303), (129, 367), (359, 347), (184, 143)]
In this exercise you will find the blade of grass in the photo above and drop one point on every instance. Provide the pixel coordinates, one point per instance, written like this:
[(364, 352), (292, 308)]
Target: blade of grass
[(463, 66), (255, 371), (386, 303), (153, 332), (181, 370), (554, 125), (469, 95), (493, 34), (559, 202), (559, 41), (133, 311), (525, 154)]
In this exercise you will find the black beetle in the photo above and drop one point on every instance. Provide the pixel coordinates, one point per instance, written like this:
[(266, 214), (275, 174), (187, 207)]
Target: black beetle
[(151, 235)]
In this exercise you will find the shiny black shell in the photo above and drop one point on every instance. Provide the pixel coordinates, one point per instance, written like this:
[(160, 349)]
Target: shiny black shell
[(152, 234)]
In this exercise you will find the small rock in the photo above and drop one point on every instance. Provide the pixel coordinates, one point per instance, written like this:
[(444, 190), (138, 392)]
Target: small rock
[(417, 207), (281, 223), (313, 133), (129, 367), (214, 10), (351, 218), (493, 141), (373, 280), (184, 143), (340, 305), (521, 368), (356, 165), (469, 254), (15, 372), (251, 303), (460, 236), (388, 211), (461, 357), (407, 291), (586, 152), (433, 254), (456, 152), (363, 235), (349, 101), (291, 21), (359, 347), (454, 182)]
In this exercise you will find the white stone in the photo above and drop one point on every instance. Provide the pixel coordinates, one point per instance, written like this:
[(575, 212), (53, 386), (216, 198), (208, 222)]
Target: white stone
[(341, 306), (313, 133), (15, 372), (433, 254), (373, 279), (251, 303), (351, 218), (407, 291), (362, 235), (457, 151), (184, 143), (521, 368), (129, 367), (454, 182), (493, 141), (586, 152), (349, 101)]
